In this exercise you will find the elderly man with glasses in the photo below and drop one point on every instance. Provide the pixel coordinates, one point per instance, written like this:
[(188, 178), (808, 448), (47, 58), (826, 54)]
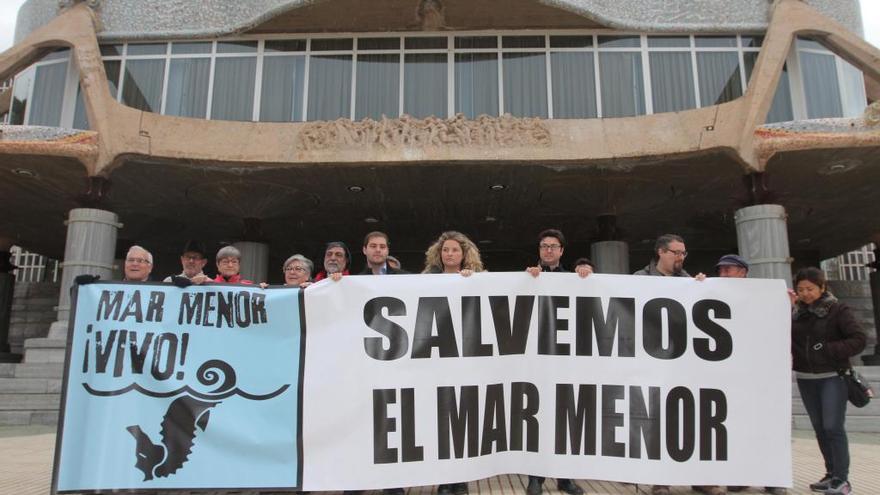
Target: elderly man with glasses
[(228, 267), (138, 264)]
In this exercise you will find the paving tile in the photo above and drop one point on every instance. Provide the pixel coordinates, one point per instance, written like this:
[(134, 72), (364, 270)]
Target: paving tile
[(27, 468)]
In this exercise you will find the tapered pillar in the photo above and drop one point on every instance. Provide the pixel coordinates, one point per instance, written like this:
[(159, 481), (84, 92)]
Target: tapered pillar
[(254, 260), (90, 249), (608, 254), (762, 236), (610, 257)]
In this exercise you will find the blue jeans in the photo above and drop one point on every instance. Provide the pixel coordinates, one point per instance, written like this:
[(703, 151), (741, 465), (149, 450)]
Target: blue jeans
[(825, 400)]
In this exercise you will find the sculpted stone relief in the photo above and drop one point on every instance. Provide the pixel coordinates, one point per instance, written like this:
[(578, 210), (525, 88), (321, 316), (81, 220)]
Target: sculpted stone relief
[(872, 114), (406, 131)]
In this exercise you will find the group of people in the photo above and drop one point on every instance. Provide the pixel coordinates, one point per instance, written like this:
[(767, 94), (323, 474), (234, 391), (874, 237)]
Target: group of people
[(824, 332)]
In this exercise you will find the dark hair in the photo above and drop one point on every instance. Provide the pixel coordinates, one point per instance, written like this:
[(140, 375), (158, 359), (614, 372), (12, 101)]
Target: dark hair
[(813, 275), (663, 241), (376, 233), (584, 261), (338, 244), (552, 233)]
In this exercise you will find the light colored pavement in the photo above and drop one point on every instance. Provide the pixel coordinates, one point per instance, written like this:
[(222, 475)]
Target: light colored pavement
[(26, 468)]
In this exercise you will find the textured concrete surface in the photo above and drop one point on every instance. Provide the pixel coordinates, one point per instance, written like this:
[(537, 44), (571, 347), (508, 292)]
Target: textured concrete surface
[(27, 454), (136, 19)]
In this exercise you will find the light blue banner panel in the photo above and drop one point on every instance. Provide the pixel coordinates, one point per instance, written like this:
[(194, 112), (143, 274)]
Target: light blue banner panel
[(171, 388)]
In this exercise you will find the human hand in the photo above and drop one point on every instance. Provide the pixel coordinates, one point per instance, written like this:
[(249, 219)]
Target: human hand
[(466, 272), (336, 277), (534, 270), (584, 271), (700, 277)]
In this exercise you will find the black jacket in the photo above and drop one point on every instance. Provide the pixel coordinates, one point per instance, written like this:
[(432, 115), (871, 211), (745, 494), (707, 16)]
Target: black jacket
[(824, 335), (391, 271)]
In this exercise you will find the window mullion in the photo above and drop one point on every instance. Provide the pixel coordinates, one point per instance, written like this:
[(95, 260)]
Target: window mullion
[(549, 78), (164, 92), (646, 76), (210, 105), (305, 96), (258, 81), (695, 74), (500, 69)]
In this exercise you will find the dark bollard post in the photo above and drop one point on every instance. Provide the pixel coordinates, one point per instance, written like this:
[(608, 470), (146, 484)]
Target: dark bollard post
[(7, 287), (874, 277)]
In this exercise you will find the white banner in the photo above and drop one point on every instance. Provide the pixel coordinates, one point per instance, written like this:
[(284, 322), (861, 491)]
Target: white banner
[(416, 380)]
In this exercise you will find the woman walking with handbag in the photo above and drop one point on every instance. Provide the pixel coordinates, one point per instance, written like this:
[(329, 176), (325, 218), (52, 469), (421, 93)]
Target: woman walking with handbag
[(824, 335)]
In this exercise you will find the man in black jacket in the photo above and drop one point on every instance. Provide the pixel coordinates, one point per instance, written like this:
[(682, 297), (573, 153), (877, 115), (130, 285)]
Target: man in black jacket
[(376, 251)]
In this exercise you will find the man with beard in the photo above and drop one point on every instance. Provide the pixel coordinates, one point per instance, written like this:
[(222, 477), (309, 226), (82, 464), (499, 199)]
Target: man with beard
[(193, 260), (336, 261), (668, 261)]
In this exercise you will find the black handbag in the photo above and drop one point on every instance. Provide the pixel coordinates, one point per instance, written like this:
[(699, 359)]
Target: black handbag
[(858, 389)]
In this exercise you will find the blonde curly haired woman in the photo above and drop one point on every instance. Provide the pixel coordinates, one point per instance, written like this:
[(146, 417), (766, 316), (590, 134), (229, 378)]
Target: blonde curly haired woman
[(453, 252)]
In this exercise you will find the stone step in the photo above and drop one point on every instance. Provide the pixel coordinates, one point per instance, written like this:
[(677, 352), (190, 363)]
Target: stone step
[(30, 385), (45, 343), (30, 402), (872, 409), (44, 355), (39, 370), (861, 424), (24, 418), (7, 370)]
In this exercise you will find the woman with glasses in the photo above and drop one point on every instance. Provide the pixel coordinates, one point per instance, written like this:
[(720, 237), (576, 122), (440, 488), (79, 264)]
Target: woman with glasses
[(298, 271), (229, 266)]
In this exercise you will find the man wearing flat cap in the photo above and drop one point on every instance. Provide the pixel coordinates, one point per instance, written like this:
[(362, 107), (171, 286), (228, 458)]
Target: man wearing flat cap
[(733, 266), (193, 260)]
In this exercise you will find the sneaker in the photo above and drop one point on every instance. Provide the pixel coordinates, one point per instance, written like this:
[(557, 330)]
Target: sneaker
[(460, 489), (446, 489), (535, 487), (569, 487), (838, 487), (776, 490), (821, 485), (660, 490)]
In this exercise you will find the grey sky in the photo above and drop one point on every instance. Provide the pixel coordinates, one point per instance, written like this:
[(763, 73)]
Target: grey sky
[(9, 9)]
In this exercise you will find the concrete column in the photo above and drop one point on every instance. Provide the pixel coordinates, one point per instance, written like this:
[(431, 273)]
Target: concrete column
[(254, 260), (610, 257), (90, 248), (762, 236)]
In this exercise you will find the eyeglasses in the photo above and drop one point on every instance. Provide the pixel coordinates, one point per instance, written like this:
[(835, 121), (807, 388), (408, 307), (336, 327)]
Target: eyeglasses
[(192, 257), (675, 253), (549, 247), (138, 261), (228, 261), (291, 269)]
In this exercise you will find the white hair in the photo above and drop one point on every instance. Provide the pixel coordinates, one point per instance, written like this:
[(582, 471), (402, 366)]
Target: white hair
[(148, 255)]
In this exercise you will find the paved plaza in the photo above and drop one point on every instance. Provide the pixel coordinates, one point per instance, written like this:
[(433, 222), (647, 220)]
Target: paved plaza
[(26, 467)]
